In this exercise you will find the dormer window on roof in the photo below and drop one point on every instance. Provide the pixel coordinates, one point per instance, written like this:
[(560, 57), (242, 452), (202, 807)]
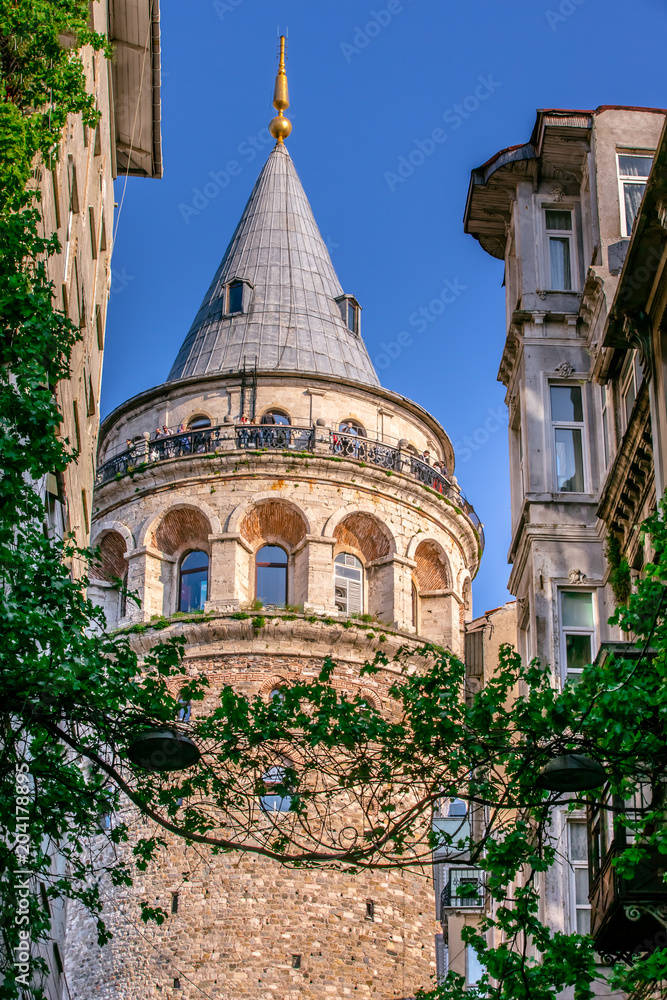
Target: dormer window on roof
[(238, 297), (350, 311)]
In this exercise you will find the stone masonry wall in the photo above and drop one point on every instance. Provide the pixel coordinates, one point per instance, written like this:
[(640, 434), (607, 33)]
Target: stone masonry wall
[(242, 919)]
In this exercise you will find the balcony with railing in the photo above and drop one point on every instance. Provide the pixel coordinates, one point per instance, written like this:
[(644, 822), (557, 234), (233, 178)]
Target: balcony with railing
[(464, 890), (285, 437), (628, 912)]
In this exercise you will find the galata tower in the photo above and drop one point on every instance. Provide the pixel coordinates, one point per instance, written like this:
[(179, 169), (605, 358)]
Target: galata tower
[(282, 473)]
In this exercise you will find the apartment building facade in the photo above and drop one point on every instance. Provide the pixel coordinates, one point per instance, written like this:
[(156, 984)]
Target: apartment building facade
[(77, 202), (583, 365)]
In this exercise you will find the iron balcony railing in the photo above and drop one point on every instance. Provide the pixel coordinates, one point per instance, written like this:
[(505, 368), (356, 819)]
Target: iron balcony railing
[(210, 440), (464, 889)]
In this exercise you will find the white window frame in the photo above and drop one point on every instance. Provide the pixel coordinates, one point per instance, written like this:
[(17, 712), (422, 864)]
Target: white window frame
[(569, 425), (566, 630), (573, 866), (624, 179), (630, 373), (606, 425), (567, 234), (343, 581)]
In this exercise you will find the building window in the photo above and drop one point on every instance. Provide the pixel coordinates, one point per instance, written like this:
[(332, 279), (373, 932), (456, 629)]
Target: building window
[(193, 581), (348, 583), (370, 909), (577, 632), (235, 299), (567, 417), (605, 401), (271, 575), (633, 171), (275, 417), (474, 968), (560, 238), (350, 312), (174, 902), (352, 427), (352, 317), (630, 381), (198, 423), (272, 802), (580, 908)]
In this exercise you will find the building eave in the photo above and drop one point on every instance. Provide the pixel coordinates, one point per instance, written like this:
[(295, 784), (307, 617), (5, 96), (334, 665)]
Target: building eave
[(134, 30)]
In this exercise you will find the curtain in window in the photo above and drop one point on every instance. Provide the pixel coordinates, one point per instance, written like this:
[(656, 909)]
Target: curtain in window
[(633, 194), (561, 276), (569, 460)]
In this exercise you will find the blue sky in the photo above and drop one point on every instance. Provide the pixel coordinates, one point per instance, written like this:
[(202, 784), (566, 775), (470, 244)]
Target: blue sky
[(369, 83)]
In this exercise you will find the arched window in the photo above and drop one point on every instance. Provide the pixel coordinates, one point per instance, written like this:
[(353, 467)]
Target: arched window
[(348, 583), (193, 581), (352, 427), (275, 417), (198, 422), (271, 575)]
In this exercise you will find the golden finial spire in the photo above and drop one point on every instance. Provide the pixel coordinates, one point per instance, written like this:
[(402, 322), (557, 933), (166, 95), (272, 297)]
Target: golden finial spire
[(281, 127)]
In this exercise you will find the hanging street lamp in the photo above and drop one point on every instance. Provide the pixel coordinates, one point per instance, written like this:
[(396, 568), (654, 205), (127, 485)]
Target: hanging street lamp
[(163, 750)]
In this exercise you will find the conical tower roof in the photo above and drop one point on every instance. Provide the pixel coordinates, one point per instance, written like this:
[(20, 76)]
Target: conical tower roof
[(291, 320)]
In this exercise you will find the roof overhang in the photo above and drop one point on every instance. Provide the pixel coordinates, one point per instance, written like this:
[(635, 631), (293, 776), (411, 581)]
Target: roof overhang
[(134, 30)]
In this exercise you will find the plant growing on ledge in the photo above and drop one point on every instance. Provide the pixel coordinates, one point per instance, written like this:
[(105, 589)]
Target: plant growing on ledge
[(620, 577)]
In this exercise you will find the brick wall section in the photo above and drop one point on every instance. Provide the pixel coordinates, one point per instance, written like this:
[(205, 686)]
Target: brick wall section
[(432, 572), (241, 918), (112, 564), (365, 533), (184, 526), (273, 519)]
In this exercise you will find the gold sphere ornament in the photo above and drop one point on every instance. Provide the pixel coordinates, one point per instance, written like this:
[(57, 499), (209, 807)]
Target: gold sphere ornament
[(280, 127)]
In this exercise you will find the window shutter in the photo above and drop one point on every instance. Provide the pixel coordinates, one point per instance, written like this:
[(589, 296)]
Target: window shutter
[(354, 602)]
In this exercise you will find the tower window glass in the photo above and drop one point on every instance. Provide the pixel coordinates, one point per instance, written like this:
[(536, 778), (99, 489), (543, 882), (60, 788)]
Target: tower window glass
[(352, 317), (271, 575), (197, 423), (235, 304), (193, 581), (348, 583)]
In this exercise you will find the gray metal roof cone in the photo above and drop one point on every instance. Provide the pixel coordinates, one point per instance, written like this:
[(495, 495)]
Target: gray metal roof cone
[(290, 320)]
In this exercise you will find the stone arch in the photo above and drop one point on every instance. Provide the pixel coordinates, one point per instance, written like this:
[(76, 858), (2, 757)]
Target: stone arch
[(366, 533), (276, 681), (274, 520), (180, 527), (433, 571), (111, 564), (237, 516), (100, 528), (371, 697), (149, 532)]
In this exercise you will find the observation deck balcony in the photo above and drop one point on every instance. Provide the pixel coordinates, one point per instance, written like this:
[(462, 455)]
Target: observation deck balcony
[(285, 437)]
